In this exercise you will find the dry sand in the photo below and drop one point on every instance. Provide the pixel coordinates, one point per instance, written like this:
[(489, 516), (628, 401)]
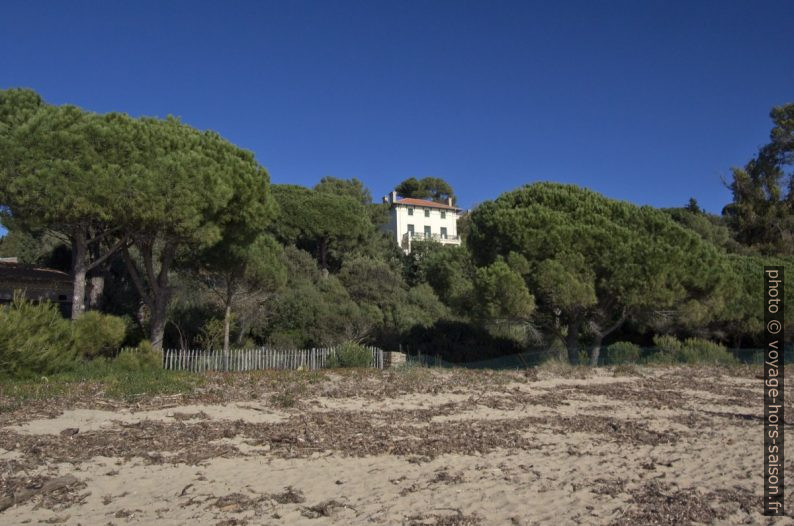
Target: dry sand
[(664, 446)]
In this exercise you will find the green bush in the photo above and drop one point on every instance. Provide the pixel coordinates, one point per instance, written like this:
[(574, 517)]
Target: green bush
[(668, 348), (96, 334), (698, 350), (667, 344), (34, 339), (211, 335), (350, 354), (691, 350), (143, 358), (622, 352)]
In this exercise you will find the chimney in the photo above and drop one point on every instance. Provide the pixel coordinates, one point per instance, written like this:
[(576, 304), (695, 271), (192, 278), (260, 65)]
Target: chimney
[(391, 198), (449, 201)]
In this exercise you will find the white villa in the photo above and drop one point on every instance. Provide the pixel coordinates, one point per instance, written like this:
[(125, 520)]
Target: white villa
[(418, 220)]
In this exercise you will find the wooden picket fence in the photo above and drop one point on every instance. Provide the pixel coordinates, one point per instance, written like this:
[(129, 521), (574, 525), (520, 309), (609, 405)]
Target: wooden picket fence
[(197, 360)]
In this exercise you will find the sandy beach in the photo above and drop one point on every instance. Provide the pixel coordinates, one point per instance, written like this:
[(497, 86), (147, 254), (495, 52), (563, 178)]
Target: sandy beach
[(679, 445)]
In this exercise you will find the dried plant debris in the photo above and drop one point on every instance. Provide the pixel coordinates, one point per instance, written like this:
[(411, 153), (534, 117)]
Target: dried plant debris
[(457, 518), (51, 492), (324, 509), (635, 426), (234, 502), (290, 495), (659, 504)]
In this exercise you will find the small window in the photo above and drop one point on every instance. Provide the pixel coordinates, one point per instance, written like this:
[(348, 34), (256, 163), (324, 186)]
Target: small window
[(443, 230), (427, 231), (410, 211), (427, 213), (410, 229), (443, 215)]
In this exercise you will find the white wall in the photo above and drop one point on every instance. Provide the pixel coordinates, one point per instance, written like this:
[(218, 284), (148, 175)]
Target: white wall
[(399, 221)]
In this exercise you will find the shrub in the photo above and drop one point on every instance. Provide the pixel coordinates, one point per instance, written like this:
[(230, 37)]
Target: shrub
[(691, 350), (698, 350), (667, 347), (96, 334), (211, 335), (34, 339), (666, 343), (350, 354), (622, 352), (144, 357)]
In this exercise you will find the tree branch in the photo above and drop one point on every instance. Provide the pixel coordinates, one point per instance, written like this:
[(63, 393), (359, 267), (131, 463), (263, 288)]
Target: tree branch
[(132, 268), (615, 326), (112, 250)]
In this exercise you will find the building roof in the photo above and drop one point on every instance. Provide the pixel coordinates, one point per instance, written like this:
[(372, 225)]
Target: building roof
[(410, 201), (17, 272)]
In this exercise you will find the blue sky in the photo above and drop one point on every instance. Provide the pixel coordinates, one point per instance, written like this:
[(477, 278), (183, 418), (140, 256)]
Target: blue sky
[(649, 101)]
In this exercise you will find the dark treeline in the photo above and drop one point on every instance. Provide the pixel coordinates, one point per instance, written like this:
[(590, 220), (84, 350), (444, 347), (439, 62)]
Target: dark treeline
[(181, 234)]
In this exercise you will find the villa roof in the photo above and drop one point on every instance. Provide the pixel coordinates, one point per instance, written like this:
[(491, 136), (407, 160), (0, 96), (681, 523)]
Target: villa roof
[(410, 201), (17, 272)]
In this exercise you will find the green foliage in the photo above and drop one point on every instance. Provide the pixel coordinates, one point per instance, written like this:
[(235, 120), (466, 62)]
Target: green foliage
[(96, 334), (191, 190), (501, 293), (352, 188), (34, 339), (447, 269), (667, 344), (760, 214), (34, 247), (595, 261), (566, 283), (740, 318), (239, 269), (143, 358), (622, 352), (710, 227), (432, 188), (690, 351), (697, 350), (17, 106), (371, 281), (350, 354), (322, 223), (211, 335), (158, 183), (315, 314)]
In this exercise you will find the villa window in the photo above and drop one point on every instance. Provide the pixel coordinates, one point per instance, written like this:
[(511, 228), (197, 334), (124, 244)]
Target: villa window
[(410, 211), (410, 231), (443, 232), (427, 213), (443, 215), (427, 231)]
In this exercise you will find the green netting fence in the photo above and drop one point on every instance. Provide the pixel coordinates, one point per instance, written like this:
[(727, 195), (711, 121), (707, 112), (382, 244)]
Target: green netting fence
[(535, 357)]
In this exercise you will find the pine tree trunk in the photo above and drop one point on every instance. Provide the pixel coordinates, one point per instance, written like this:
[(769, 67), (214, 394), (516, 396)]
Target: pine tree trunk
[(227, 319), (96, 286), (78, 274), (572, 342), (595, 351), (158, 321)]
